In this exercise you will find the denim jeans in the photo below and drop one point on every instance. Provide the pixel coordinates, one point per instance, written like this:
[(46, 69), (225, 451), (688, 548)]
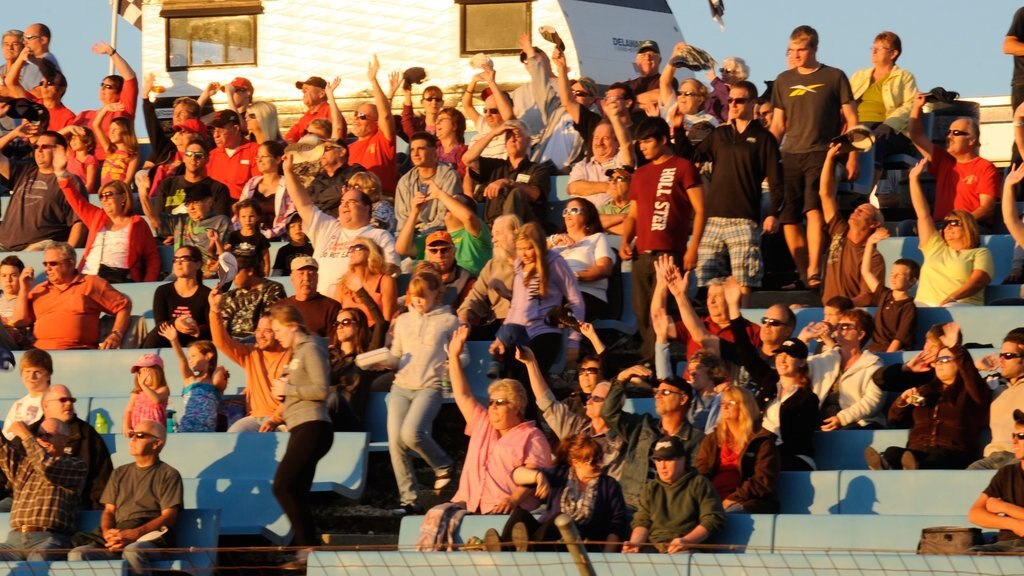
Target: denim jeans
[(411, 416), (37, 541), (138, 555), (251, 424)]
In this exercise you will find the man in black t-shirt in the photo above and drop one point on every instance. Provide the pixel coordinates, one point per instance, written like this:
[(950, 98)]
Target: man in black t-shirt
[(171, 193), (1001, 504), (811, 101)]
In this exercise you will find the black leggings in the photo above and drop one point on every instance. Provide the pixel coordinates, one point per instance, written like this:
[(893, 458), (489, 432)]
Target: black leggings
[(307, 444)]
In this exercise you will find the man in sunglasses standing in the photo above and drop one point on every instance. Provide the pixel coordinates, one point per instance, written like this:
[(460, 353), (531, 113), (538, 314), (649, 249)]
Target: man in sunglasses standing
[(744, 154), (171, 192), (963, 179), (37, 211), (1008, 395)]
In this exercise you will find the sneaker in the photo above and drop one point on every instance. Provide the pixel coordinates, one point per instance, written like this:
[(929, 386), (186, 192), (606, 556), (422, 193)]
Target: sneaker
[(908, 461), (520, 537), (409, 509), (492, 541), (442, 479), (874, 459), (473, 544)]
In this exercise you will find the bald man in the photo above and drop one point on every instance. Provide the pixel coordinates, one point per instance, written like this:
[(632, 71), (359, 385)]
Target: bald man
[(141, 497), (47, 486)]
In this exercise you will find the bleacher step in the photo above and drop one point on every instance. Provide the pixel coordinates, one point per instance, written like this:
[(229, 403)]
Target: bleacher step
[(767, 298)]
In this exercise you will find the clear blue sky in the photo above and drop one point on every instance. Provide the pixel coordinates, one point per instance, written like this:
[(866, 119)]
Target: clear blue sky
[(950, 43), (955, 44)]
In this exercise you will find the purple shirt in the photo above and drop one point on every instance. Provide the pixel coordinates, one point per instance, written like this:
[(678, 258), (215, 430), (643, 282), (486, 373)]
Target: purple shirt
[(529, 308)]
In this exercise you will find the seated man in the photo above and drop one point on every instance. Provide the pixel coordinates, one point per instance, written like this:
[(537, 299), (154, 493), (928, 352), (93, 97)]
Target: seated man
[(141, 498), (314, 98), (963, 179), (1007, 396), (614, 212), (677, 510), (590, 178), (65, 310), (485, 307), (416, 182), (47, 487), (456, 281), (82, 442), (332, 178), (516, 185), (318, 311), (233, 161), (470, 236), (1001, 504), (253, 294)]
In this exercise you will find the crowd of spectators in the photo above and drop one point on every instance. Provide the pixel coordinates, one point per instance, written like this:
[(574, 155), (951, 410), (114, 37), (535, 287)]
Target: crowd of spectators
[(677, 177)]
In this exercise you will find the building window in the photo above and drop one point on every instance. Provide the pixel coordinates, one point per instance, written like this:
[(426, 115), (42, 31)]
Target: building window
[(493, 26), (211, 41)]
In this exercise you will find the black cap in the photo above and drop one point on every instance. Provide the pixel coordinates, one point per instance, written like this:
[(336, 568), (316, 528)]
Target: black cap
[(648, 46), (225, 117), (198, 193), (794, 347), (609, 172), (312, 81), (668, 448), (1018, 416)]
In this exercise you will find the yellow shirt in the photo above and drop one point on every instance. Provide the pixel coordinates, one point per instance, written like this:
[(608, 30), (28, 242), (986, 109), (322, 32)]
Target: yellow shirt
[(871, 108)]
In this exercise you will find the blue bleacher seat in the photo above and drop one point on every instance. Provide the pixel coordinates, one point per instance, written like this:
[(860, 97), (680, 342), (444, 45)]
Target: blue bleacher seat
[(868, 532), (808, 492), (844, 449), (910, 491), (1001, 246)]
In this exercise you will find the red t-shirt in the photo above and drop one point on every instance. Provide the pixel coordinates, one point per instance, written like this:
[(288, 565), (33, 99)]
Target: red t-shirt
[(60, 116), (298, 130), (377, 154), (663, 208), (236, 170), (960, 185), (723, 332)]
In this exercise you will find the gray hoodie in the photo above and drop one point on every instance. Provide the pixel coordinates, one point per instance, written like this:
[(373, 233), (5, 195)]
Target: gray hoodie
[(419, 344)]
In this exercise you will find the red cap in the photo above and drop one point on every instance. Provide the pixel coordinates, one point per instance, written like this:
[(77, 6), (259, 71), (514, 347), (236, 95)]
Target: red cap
[(439, 236), (191, 125), (240, 82)]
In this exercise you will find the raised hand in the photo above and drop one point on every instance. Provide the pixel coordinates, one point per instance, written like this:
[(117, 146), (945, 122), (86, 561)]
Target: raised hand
[(950, 334), (372, 68), (918, 169), (878, 235)]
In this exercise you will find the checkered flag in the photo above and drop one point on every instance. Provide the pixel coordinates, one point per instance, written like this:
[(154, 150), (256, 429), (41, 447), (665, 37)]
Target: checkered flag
[(131, 10)]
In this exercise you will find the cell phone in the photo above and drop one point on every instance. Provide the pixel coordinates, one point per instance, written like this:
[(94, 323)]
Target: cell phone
[(424, 189)]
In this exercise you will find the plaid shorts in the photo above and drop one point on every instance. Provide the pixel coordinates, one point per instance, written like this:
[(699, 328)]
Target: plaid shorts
[(730, 247)]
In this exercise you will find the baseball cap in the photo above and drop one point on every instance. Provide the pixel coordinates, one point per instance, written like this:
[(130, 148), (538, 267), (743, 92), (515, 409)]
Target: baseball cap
[(147, 361), (312, 81), (224, 117), (240, 82), (191, 125), (648, 46), (198, 193), (794, 347), (611, 171), (668, 448), (300, 262), (439, 237)]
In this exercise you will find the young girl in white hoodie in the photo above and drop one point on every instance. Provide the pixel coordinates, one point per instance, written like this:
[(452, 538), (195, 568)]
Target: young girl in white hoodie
[(418, 351)]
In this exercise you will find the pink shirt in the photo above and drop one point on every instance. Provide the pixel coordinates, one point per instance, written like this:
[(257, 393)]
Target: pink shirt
[(487, 474)]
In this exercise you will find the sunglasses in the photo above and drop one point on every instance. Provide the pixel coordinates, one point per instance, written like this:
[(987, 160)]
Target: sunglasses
[(329, 148), (953, 223), (957, 133), (43, 146), (1017, 435), (772, 322), (106, 86), (590, 370), (581, 94), (740, 101), (178, 259), (65, 399), (33, 37), (108, 195), (440, 250), (491, 111), (575, 211), (619, 179), (688, 94), (726, 70), (47, 83), (1010, 355), (139, 435), (358, 248), (344, 322), (595, 399), (666, 392), (844, 326), (499, 402), (943, 360), (250, 116), (730, 403), (196, 155), (433, 99), (361, 116), (52, 263)]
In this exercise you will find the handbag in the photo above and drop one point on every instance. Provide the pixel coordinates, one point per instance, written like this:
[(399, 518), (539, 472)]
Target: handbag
[(948, 539), (114, 275)]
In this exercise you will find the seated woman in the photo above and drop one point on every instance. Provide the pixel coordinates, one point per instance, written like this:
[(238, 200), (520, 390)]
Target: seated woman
[(947, 415), (955, 270), (350, 384), (451, 139), (500, 440), (740, 457), (543, 283), (261, 123), (382, 213), (120, 247), (184, 303), (575, 486), (268, 191), (366, 285), (585, 249)]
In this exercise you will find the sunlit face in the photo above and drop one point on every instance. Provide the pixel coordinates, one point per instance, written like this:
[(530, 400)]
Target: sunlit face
[(717, 306), (227, 137), (364, 124), (442, 254), (424, 302), (35, 41), (502, 411), (266, 162), (882, 54), (595, 398), (730, 410), (690, 99), (199, 209), (946, 366), (45, 145), (961, 137), (116, 133), (248, 219), (432, 101), (1018, 444), (504, 236), (183, 265), (516, 144), (283, 333), (585, 470), (12, 46), (900, 277), (582, 96), (50, 439), (589, 375), (312, 95), (197, 361), (59, 403), (787, 365), (698, 377), (1010, 368), (345, 326), (304, 281), (764, 114), (604, 145), (352, 211), (113, 200), (831, 315), (865, 216), (444, 126), (180, 114), (651, 148), (264, 334), (526, 252), (145, 440), (195, 159), (491, 114), (953, 229), (647, 62), (148, 377), (295, 233), (669, 399), (35, 379), (334, 155), (9, 280), (422, 154), (573, 216), (670, 470), (800, 53), (847, 333), (741, 104), (775, 331), (59, 270), (108, 91)]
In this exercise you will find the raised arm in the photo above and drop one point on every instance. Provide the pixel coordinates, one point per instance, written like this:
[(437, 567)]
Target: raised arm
[(405, 244), (870, 280), (472, 155), (385, 119), (102, 138), (13, 78), (297, 192), (827, 186), (925, 224), (622, 133), (1010, 216), (666, 91), (339, 129), (916, 130), (461, 390), (171, 334), (564, 95), (120, 64), (468, 218)]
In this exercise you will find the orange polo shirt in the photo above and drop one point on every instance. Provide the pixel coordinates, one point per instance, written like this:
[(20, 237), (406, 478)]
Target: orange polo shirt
[(261, 368), (68, 317)]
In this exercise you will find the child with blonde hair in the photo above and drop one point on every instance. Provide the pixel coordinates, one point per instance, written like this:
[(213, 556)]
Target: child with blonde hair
[(148, 400)]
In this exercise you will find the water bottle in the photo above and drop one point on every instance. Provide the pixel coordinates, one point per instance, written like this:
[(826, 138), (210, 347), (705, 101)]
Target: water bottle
[(102, 424), (446, 381), (170, 421)]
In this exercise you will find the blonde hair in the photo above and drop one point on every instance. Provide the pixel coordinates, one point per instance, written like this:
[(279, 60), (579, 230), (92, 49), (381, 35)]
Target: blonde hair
[(369, 182), (119, 186), (513, 388), (533, 234), (425, 279), (737, 437)]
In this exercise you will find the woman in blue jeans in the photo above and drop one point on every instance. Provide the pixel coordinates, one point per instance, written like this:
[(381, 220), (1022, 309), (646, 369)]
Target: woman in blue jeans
[(418, 352), (304, 386)]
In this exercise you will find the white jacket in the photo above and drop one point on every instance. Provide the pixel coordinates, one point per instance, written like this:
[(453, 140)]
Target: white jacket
[(859, 397)]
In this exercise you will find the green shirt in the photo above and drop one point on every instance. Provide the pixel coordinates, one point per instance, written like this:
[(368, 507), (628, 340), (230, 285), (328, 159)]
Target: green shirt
[(470, 253), (611, 209)]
